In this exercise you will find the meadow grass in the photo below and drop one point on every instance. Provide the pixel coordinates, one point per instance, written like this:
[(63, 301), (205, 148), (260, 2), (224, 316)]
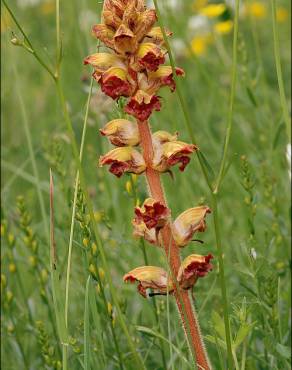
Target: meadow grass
[(104, 323)]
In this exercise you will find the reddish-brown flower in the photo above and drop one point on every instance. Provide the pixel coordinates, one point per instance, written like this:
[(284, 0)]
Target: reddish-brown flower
[(153, 213), (150, 277), (121, 160), (171, 153), (192, 268)]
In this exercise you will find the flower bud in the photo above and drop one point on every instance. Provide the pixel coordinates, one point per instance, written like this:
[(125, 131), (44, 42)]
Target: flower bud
[(12, 267), (121, 160), (150, 277)]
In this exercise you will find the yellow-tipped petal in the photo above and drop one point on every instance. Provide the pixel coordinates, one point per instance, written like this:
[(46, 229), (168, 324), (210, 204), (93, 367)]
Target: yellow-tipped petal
[(124, 159)]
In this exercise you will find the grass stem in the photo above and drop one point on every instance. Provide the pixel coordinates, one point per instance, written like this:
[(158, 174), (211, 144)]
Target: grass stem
[(279, 71)]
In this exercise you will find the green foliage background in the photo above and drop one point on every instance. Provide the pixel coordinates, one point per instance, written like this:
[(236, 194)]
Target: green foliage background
[(254, 200)]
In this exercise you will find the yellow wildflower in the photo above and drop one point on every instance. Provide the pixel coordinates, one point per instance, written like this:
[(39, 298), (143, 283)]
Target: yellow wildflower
[(85, 242), (101, 273), (282, 14), (213, 10), (129, 187), (199, 4), (32, 261), (12, 267), (223, 27), (256, 9), (48, 7), (199, 44)]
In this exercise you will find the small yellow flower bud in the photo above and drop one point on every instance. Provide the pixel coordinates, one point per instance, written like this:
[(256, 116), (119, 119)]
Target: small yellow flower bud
[(16, 42), (113, 243), (44, 276), (29, 231), (92, 269), (9, 296), (101, 273), (11, 240), (10, 328), (3, 281), (85, 242), (32, 261), (97, 216), (109, 308), (26, 241), (94, 249), (129, 187), (3, 229), (12, 267), (34, 246), (97, 288), (134, 178)]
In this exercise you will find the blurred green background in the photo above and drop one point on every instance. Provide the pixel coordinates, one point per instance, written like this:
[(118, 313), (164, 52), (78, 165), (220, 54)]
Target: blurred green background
[(254, 200)]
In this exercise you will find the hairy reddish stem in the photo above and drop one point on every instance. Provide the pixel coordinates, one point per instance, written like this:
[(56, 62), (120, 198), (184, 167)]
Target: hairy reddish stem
[(188, 316)]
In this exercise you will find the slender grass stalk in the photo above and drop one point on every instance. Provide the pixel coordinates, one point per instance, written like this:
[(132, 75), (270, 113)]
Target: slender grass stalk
[(62, 329), (30, 47), (180, 96), (32, 155), (71, 133), (203, 166), (146, 261), (231, 100), (279, 71), (87, 327), (188, 315), (222, 280), (74, 207)]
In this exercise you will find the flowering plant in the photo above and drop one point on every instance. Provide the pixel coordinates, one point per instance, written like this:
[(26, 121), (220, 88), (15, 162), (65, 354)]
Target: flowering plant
[(134, 69)]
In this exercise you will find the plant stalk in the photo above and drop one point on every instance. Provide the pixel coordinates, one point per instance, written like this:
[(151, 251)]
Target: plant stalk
[(183, 302)]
